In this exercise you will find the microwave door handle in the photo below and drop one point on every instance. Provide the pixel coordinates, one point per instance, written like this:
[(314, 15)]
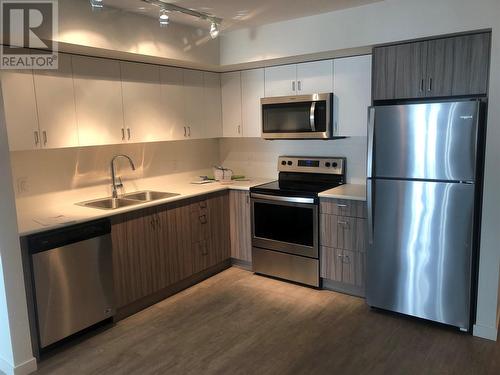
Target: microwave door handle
[(312, 120)]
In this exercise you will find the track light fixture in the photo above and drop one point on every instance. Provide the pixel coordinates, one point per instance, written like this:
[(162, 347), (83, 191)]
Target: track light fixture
[(96, 4), (214, 30), (164, 19), (166, 7)]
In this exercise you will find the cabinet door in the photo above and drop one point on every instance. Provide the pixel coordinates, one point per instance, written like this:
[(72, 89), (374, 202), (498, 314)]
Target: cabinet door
[(20, 115), (55, 98), (411, 61), (352, 89), (135, 243), (352, 268), (172, 99), (231, 104), (218, 220), (315, 77), (384, 67), (194, 98), (252, 90), (439, 67), (179, 242), (331, 263), (281, 80), (144, 117), (240, 225), (471, 64), (213, 105), (98, 98)]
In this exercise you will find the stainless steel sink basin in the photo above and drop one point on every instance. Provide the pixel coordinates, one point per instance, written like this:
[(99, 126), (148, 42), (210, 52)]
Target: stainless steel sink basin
[(126, 200), (148, 195), (109, 203)]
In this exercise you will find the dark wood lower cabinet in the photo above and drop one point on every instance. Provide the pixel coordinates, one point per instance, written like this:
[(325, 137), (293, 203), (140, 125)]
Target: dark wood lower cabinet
[(154, 249)]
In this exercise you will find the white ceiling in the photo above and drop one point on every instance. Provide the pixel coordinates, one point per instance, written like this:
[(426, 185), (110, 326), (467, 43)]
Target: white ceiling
[(241, 13)]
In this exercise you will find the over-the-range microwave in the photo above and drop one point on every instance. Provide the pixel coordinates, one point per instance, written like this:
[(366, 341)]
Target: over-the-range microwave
[(298, 117)]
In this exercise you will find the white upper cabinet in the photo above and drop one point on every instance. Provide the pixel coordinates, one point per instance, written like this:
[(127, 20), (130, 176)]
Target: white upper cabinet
[(194, 103), (281, 80), (213, 105), (20, 109), (231, 104), (144, 117), (98, 97), (352, 89), (55, 98), (314, 77), (252, 90), (172, 97)]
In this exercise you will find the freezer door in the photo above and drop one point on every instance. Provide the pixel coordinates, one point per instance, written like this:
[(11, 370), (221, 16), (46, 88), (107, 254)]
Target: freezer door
[(420, 250), (434, 141)]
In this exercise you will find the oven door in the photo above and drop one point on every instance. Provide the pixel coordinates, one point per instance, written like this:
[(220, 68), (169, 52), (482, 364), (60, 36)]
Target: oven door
[(297, 117), (286, 224)]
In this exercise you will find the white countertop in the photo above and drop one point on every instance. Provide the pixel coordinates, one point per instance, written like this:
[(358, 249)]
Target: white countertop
[(45, 206), (347, 191)]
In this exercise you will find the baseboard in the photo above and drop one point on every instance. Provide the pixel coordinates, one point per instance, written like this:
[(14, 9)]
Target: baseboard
[(24, 368), (342, 288), (485, 332), (244, 264)]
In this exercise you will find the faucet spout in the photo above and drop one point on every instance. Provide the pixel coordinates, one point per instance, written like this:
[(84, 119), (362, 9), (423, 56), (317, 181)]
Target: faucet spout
[(113, 172)]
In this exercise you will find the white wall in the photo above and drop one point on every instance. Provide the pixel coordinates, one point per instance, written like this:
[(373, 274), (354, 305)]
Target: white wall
[(256, 157), (15, 345), (388, 21), (117, 30)]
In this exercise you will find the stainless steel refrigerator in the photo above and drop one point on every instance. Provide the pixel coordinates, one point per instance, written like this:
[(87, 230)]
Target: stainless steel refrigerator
[(421, 189)]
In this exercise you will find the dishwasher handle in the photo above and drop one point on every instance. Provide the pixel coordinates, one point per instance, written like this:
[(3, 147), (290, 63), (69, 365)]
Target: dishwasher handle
[(53, 239)]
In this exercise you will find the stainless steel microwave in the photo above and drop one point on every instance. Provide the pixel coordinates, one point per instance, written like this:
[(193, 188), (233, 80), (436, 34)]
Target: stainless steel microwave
[(297, 117)]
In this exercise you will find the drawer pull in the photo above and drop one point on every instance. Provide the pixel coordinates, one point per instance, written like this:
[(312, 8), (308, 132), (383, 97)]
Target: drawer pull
[(345, 223), (203, 219), (340, 205)]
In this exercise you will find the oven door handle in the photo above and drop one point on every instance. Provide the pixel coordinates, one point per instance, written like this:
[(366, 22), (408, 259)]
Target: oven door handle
[(312, 115), (283, 199)]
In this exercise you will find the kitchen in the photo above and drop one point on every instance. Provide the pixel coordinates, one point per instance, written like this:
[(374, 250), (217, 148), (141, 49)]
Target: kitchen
[(161, 105)]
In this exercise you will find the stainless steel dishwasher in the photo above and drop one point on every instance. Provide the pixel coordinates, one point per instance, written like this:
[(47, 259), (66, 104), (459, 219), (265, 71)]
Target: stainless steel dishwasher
[(72, 279)]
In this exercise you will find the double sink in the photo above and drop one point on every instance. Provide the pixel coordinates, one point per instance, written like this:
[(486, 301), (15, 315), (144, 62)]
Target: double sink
[(130, 199)]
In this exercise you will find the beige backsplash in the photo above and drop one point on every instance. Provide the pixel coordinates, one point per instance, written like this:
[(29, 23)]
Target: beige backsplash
[(45, 171)]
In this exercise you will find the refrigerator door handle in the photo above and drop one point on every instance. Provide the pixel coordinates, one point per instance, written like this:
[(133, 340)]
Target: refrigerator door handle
[(371, 129), (369, 206)]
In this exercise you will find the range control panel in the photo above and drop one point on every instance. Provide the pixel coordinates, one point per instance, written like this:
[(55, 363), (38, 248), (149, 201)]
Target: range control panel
[(304, 164)]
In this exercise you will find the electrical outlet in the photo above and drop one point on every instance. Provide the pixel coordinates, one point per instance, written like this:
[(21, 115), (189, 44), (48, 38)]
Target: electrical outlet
[(22, 185)]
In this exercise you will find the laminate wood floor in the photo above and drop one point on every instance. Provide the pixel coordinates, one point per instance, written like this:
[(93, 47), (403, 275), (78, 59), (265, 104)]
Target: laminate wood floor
[(240, 323)]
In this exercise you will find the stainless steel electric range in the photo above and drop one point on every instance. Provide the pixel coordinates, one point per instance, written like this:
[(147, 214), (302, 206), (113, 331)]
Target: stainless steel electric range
[(285, 217)]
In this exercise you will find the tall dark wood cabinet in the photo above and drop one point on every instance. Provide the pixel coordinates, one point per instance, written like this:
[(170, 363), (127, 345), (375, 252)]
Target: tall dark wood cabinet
[(451, 66)]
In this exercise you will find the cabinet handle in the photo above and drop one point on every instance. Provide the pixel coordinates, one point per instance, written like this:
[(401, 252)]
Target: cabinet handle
[(158, 222), (37, 139), (422, 85), (239, 129), (346, 259), (340, 205), (189, 131), (203, 219), (44, 137), (430, 85), (123, 134), (153, 224), (185, 132), (128, 133), (344, 223), (293, 85), (299, 85)]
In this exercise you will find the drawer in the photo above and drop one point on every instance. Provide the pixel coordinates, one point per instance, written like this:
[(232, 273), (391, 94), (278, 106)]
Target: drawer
[(343, 266), (343, 232), (343, 207)]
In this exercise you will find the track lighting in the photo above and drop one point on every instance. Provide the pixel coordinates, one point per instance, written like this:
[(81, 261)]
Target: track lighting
[(164, 19), (214, 30), (96, 4)]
